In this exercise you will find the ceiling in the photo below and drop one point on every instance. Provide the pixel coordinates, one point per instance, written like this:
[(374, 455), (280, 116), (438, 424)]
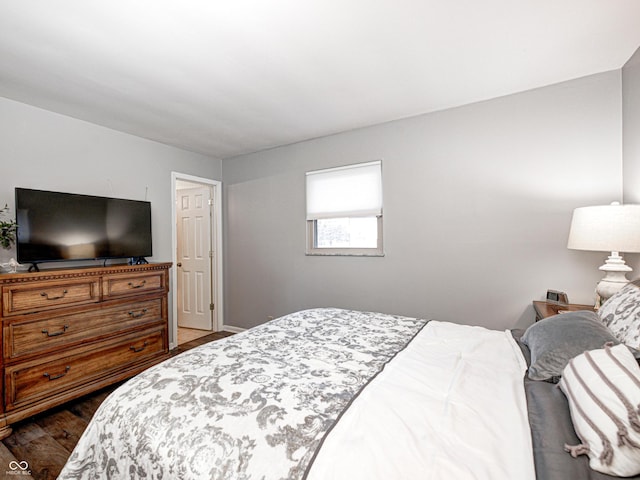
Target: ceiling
[(225, 78)]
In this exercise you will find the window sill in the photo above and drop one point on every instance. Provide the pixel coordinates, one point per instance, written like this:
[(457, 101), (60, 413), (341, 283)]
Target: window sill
[(343, 254)]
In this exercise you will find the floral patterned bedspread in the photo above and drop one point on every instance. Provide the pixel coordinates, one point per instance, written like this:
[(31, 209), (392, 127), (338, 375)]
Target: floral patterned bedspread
[(255, 405)]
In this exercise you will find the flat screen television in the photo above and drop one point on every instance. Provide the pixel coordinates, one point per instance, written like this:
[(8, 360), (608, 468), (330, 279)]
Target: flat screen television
[(57, 226)]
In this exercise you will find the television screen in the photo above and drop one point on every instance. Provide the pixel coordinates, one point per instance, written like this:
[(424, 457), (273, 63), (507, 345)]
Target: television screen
[(54, 226)]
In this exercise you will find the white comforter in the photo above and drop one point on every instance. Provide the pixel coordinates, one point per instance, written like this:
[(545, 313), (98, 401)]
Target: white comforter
[(450, 406)]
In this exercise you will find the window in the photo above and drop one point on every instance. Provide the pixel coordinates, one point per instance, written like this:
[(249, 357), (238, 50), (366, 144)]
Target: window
[(344, 210)]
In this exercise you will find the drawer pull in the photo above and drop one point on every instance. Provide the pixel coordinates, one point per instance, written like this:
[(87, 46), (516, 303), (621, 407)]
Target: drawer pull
[(57, 297), (137, 315), (55, 334), (136, 350), (140, 285), (55, 377)]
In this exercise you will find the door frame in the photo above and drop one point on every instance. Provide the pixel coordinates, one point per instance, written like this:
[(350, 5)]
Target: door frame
[(216, 242)]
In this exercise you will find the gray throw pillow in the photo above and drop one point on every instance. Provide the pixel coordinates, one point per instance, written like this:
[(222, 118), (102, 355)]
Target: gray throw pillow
[(555, 340)]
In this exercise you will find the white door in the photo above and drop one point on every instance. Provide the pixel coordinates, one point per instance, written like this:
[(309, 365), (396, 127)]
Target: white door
[(195, 257)]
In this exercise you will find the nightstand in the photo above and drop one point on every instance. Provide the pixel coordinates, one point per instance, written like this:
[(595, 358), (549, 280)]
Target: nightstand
[(544, 309)]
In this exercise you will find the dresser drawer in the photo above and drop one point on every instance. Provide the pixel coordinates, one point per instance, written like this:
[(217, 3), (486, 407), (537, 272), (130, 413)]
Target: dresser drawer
[(32, 381), (40, 296), (124, 285), (34, 334)]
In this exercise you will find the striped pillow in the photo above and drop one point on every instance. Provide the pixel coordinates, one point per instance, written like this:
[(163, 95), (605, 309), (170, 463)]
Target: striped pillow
[(603, 390)]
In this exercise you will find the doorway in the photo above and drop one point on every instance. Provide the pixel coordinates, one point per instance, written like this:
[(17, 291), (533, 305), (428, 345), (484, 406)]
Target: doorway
[(197, 263)]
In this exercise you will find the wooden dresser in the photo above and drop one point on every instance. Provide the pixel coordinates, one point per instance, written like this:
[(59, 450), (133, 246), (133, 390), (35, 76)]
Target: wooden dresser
[(68, 332)]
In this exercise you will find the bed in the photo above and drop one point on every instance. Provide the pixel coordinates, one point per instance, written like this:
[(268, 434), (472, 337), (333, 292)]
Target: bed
[(333, 394)]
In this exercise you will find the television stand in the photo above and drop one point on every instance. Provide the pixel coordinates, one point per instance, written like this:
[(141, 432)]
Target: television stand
[(138, 261)]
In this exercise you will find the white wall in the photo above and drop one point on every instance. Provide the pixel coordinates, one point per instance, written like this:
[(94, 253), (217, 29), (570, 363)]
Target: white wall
[(631, 139), (477, 206), (631, 128), (44, 150)]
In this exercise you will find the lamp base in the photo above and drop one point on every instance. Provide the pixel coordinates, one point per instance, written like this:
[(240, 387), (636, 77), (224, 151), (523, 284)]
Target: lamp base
[(615, 276)]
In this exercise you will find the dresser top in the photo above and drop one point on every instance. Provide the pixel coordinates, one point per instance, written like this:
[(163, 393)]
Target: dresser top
[(59, 273)]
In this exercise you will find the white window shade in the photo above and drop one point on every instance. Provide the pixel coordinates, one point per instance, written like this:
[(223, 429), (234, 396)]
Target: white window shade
[(351, 191)]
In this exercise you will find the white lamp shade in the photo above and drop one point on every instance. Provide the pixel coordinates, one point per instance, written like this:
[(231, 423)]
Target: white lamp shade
[(606, 228)]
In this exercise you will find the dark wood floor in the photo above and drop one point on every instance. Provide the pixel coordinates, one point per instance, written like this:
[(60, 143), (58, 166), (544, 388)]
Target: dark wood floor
[(43, 443)]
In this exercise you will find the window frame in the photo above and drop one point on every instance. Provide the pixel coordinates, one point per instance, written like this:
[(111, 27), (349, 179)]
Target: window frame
[(312, 234), (312, 249)]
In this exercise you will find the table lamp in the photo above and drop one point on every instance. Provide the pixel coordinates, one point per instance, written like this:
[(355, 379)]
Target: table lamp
[(607, 228)]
